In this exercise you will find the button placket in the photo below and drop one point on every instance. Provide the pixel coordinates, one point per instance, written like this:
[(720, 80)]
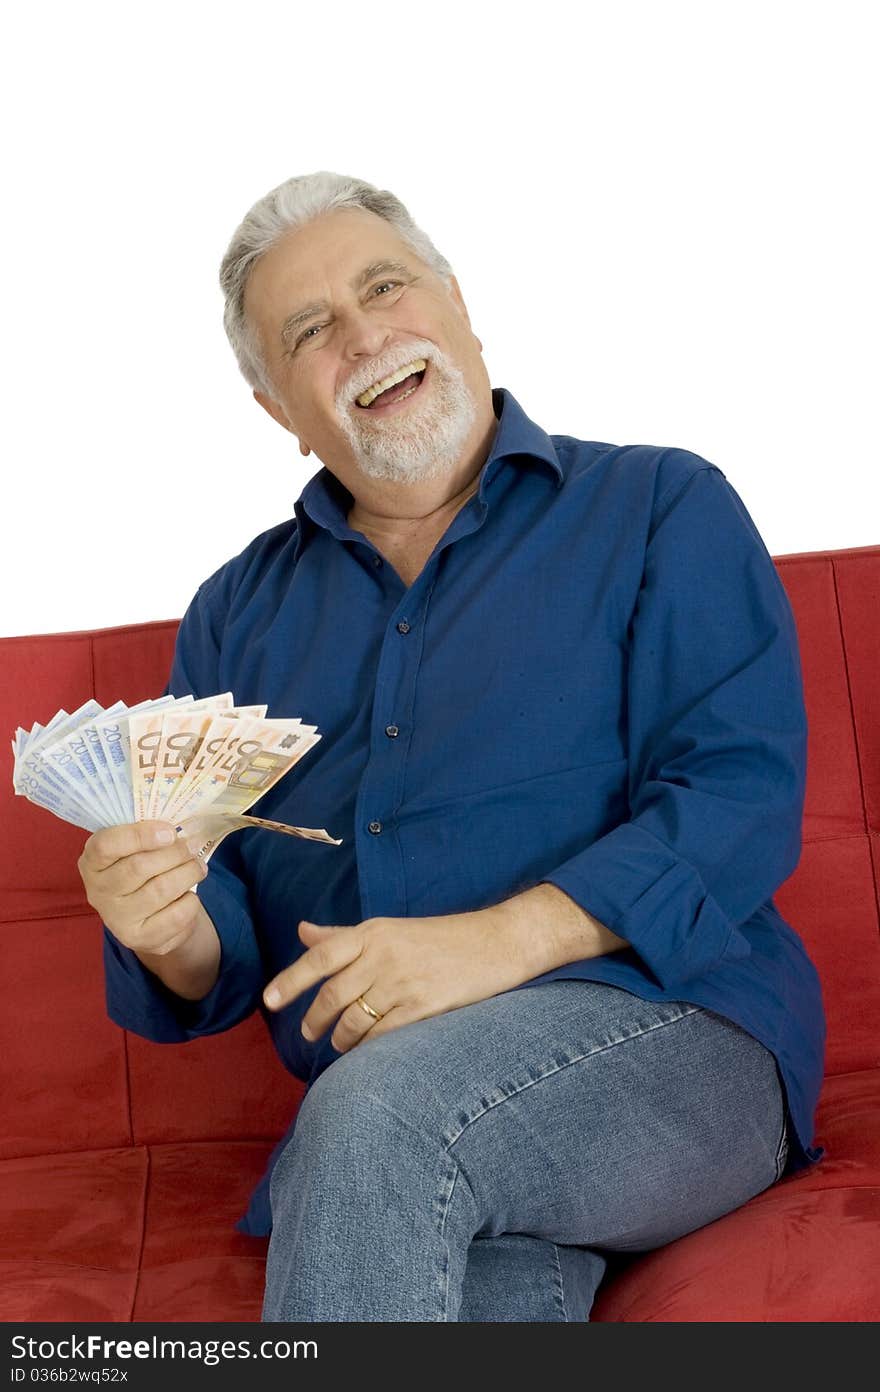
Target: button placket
[(380, 865)]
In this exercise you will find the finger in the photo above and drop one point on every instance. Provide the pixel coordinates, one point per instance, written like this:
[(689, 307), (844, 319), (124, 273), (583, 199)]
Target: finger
[(170, 927), (394, 1018), (330, 955), (336, 995), (127, 875), (163, 890), (110, 844)]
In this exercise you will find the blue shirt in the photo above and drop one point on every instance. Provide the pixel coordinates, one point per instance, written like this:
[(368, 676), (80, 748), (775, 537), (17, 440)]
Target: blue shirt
[(594, 682)]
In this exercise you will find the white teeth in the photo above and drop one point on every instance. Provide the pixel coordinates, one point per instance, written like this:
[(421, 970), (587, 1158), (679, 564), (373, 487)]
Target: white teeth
[(372, 392)]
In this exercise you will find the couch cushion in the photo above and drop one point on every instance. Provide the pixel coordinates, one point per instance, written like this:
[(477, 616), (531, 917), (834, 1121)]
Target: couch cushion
[(62, 1060), (72, 1227), (111, 1234), (70, 1078), (214, 1272), (228, 1086), (830, 902), (833, 804)]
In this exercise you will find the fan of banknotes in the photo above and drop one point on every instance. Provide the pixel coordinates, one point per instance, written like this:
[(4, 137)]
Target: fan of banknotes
[(197, 764)]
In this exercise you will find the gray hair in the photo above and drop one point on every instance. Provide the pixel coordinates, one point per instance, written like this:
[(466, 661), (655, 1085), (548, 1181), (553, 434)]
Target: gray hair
[(297, 201)]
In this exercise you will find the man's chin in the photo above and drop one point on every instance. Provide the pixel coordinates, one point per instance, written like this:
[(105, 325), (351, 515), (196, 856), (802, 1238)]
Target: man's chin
[(423, 443), (389, 471)]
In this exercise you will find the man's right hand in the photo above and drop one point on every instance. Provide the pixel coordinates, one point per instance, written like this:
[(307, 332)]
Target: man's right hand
[(137, 878)]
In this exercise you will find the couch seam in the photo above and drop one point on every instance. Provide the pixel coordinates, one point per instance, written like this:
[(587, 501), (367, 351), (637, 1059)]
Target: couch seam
[(875, 867), (136, 1145), (849, 696), (142, 1243), (68, 1265), (781, 1186), (128, 1109)]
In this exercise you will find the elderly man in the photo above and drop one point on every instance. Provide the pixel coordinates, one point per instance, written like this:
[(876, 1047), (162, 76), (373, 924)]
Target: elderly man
[(541, 995)]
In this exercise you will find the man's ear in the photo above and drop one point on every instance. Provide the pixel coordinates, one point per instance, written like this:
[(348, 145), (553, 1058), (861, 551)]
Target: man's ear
[(273, 408), (277, 413)]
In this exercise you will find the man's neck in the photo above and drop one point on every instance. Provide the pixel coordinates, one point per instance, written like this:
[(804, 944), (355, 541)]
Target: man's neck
[(413, 519), (405, 521)]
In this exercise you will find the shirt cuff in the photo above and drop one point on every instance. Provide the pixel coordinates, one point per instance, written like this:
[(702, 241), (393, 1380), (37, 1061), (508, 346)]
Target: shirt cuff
[(640, 889), (138, 1001)]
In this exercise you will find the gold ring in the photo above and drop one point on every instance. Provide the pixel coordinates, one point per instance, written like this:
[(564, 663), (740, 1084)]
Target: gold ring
[(369, 1009)]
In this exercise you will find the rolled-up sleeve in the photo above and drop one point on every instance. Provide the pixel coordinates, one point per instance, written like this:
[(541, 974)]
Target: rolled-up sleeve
[(717, 734), (136, 999)]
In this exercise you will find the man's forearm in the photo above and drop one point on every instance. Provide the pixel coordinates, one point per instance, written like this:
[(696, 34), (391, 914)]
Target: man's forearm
[(192, 969), (544, 928), (548, 929)]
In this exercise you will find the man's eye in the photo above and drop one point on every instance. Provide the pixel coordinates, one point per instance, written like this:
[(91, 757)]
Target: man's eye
[(315, 328)]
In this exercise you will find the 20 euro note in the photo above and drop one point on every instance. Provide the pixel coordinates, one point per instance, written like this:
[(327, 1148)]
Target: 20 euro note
[(172, 759)]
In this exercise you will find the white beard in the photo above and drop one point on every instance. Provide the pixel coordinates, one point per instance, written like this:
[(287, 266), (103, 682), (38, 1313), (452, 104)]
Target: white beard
[(420, 443)]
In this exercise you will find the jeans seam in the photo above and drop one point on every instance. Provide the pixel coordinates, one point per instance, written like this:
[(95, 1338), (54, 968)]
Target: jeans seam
[(458, 1173), (559, 1282), (568, 1063)]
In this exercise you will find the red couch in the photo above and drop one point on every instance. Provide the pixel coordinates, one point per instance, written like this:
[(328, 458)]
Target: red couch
[(125, 1164)]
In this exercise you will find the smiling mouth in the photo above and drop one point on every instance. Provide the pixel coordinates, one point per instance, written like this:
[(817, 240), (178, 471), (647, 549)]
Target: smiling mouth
[(401, 386)]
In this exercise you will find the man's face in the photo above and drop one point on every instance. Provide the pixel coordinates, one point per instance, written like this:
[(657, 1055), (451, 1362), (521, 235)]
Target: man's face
[(375, 319)]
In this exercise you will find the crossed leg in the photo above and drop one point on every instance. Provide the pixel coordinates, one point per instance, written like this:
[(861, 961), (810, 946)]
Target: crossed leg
[(475, 1165)]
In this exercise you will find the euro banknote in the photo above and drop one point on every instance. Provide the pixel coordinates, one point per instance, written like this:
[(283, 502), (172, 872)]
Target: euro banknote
[(199, 764)]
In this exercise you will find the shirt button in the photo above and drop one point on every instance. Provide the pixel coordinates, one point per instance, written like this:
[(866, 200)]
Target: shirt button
[(375, 828), (392, 731), (377, 561), (403, 626)]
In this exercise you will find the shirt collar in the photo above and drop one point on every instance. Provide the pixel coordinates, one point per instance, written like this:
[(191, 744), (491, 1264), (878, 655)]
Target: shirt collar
[(325, 502)]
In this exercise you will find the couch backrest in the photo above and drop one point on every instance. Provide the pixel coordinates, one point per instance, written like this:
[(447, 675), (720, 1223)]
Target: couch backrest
[(70, 1078), (832, 898)]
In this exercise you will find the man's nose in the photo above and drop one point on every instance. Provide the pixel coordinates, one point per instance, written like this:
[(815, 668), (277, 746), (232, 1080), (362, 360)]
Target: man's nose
[(364, 335)]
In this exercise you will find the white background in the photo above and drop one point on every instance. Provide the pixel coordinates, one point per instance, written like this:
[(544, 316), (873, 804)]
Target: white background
[(663, 217)]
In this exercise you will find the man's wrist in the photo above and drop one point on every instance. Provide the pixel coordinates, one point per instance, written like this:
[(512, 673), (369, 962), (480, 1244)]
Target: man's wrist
[(190, 970), (547, 929)]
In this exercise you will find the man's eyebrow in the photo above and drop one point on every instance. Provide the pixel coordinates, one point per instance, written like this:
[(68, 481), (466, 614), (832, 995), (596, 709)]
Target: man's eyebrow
[(376, 268)]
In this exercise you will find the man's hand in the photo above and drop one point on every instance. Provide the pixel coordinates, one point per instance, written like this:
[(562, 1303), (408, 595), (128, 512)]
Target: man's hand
[(410, 968), (406, 968), (136, 877)]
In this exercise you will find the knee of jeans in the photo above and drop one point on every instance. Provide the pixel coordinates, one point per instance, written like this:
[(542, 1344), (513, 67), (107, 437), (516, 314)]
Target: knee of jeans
[(361, 1103)]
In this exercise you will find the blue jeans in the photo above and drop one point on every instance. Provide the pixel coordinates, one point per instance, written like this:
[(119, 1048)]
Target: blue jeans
[(474, 1166)]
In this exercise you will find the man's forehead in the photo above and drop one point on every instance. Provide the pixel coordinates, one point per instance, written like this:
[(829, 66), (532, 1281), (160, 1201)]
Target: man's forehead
[(293, 273), (345, 239)]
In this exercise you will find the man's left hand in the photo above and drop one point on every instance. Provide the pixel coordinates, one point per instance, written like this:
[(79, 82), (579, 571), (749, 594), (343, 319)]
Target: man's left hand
[(406, 968)]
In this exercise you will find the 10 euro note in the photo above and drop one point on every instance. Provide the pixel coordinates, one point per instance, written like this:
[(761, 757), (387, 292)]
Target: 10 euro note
[(198, 764)]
